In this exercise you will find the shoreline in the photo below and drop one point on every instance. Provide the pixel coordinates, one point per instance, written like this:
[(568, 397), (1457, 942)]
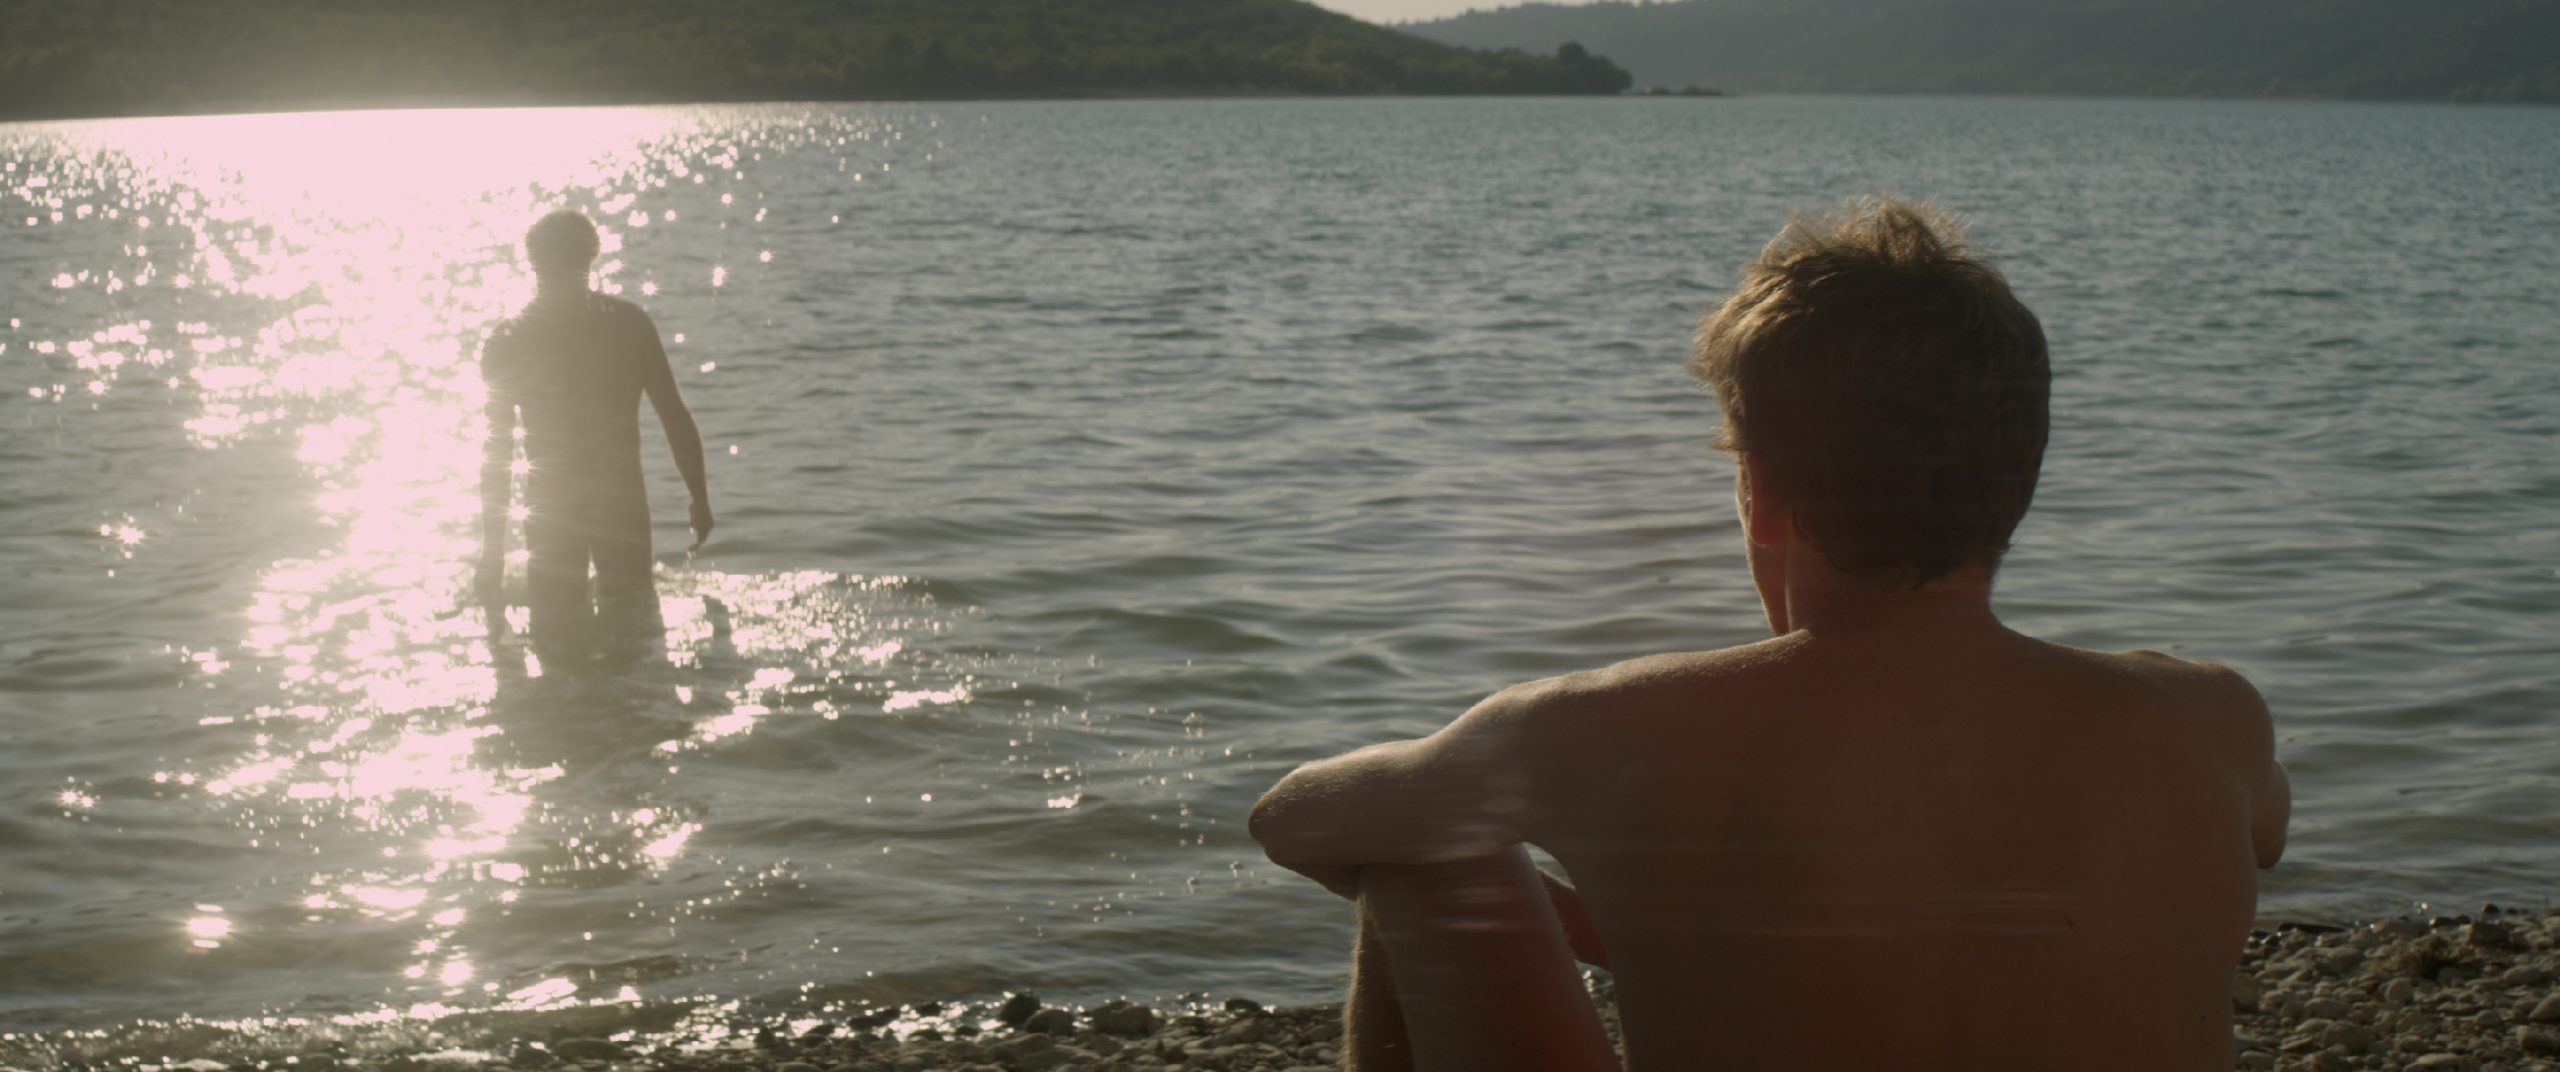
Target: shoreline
[(494, 102), (2457, 993), (259, 107)]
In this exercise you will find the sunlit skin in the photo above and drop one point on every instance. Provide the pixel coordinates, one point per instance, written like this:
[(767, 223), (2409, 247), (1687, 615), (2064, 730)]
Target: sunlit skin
[(570, 371), (1896, 828)]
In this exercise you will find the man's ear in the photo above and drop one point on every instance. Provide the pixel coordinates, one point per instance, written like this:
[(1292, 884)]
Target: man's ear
[(1766, 521)]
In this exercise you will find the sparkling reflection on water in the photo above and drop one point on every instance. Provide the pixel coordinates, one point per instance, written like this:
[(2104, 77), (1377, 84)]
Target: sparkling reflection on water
[(406, 780), (1080, 466)]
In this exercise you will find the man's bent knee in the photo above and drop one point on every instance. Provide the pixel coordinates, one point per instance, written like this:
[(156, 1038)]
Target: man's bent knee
[(1481, 967)]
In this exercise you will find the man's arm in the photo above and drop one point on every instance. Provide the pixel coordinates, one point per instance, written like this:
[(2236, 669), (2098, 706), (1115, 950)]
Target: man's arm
[(683, 438), (2270, 792), (2274, 808), (1459, 793), (497, 480), (2271, 805), (1466, 791)]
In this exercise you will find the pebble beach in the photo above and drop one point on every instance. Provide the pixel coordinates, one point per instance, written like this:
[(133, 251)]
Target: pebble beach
[(2470, 993)]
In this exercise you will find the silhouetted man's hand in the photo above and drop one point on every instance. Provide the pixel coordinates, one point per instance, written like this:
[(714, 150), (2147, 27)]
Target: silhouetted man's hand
[(701, 524)]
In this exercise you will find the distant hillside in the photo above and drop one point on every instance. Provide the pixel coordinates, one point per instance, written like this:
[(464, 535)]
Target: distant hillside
[(2497, 50), (105, 57)]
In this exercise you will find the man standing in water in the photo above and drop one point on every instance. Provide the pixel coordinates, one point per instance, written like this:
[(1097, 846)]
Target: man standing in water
[(1895, 835), (573, 367)]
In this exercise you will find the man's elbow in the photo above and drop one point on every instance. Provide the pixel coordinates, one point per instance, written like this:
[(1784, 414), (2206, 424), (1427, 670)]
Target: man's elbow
[(673, 413), (2274, 813), (1258, 822), (2268, 841), (1268, 823), (1288, 823)]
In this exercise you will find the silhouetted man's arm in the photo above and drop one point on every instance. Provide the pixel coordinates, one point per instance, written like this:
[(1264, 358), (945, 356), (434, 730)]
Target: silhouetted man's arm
[(497, 485), (682, 437)]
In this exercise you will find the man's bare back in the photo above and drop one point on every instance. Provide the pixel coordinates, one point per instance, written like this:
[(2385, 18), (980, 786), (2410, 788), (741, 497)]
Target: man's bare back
[(1862, 848), (1897, 834), (1843, 851), (569, 372)]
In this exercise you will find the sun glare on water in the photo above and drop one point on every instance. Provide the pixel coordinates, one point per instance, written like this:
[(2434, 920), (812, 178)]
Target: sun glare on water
[(376, 248), (323, 281)]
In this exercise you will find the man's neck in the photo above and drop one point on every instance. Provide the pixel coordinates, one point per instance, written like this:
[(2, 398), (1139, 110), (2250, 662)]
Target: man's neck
[(1822, 600), (555, 287)]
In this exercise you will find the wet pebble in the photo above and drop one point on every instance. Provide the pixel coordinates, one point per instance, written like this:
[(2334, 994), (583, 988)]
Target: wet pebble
[(1123, 1018), (2538, 1039), (2244, 993), (1017, 1009), (2485, 935), (1051, 1022)]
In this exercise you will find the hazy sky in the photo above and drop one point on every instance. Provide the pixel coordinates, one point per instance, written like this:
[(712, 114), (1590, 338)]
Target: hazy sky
[(1407, 10)]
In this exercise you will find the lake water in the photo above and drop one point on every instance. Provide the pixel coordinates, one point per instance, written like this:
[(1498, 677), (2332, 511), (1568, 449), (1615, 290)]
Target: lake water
[(1082, 467)]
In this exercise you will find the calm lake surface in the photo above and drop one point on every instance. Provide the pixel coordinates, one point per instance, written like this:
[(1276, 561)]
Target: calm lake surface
[(1083, 467)]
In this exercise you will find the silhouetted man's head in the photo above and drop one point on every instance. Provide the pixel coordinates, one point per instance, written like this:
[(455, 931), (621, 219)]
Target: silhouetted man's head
[(562, 245), (1890, 386)]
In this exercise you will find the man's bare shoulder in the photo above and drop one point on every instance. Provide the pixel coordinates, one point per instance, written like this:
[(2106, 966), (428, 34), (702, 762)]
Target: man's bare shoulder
[(624, 312), (502, 351), (1643, 684), (2189, 681), (2215, 699)]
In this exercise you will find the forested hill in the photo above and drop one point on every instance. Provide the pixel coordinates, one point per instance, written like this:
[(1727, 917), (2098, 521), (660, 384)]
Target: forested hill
[(110, 57), (2498, 50)]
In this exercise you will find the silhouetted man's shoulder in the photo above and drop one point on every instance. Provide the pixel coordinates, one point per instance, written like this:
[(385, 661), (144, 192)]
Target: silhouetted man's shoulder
[(584, 320), (498, 352), (618, 306), (619, 310), (588, 306), (630, 322)]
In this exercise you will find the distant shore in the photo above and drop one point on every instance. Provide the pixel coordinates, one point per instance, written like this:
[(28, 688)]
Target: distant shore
[(288, 107), (170, 57), (2459, 993)]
